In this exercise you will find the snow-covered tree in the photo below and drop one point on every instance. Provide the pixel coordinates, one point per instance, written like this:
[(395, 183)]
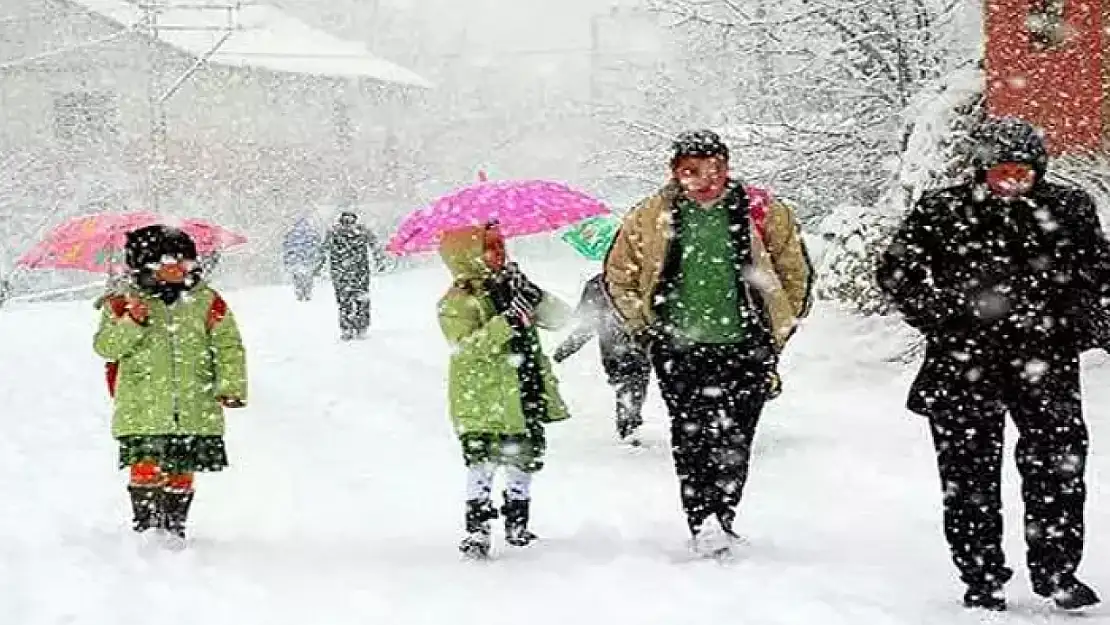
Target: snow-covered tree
[(937, 124), (810, 92)]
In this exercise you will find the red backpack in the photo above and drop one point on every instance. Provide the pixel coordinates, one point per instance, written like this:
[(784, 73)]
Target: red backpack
[(216, 312), (759, 206)]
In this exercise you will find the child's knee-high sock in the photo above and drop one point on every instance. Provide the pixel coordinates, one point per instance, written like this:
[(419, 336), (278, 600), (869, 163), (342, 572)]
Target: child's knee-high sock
[(479, 481), (518, 484)]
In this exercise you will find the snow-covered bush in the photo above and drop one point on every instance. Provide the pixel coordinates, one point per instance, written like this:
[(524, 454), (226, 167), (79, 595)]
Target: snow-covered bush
[(935, 152)]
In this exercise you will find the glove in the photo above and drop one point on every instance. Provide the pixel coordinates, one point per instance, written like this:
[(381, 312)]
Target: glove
[(512, 297), (500, 292), (230, 402), (136, 310), (521, 285), (521, 309), (561, 354)]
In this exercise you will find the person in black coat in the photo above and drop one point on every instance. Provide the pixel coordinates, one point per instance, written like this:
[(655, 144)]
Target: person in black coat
[(1008, 277), (349, 248), (625, 362)]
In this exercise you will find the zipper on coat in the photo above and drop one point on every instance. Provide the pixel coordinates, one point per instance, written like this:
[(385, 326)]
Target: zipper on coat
[(174, 374)]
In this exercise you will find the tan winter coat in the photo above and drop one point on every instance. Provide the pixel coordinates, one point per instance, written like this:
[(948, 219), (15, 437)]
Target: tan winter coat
[(781, 271)]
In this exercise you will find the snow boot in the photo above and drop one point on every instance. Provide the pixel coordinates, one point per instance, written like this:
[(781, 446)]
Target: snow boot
[(711, 541), (516, 522), (628, 432), (1067, 592), (726, 518), (347, 335), (987, 596), (476, 544), (176, 512), (146, 507)]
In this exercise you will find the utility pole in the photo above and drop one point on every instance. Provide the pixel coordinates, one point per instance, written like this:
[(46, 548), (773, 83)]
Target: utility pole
[(157, 91), (159, 158)]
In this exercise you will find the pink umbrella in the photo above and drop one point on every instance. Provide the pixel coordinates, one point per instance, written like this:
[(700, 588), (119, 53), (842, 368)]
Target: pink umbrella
[(520, 207), (95, 242)]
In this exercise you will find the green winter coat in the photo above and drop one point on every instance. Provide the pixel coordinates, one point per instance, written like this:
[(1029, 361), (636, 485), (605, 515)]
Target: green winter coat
[(483, 382), (172, 370)]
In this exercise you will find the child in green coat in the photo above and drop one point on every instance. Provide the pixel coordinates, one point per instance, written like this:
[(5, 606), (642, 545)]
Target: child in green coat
[(176, 361), (501, 387)]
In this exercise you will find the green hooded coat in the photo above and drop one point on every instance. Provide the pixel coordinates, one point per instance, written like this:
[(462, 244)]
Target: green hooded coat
[(483, 382), (173, 369)]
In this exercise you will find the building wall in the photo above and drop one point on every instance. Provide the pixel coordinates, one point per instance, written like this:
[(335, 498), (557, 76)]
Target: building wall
[(250, 148)]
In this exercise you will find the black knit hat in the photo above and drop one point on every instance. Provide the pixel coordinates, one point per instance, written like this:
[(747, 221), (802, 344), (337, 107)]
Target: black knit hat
[(146, 246), (1009, 140), (698, 143)]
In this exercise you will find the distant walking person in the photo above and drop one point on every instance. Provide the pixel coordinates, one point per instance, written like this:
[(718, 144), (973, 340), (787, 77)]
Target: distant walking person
[(303, 255), (349, 247)]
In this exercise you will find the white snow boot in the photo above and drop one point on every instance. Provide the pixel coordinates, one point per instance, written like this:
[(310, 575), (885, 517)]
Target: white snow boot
[(712, 541)]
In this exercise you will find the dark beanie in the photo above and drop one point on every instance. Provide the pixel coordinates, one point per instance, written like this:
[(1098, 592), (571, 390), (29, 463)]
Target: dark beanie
[(148, 245), (1009, 140), (698, 143)]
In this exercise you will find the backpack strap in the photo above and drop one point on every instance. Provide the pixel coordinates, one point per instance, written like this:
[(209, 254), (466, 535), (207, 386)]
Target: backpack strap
[(217, 310), (759, 204), (117, 304)]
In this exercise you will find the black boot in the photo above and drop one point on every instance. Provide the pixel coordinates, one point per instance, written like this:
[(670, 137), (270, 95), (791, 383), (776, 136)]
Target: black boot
[(627, 429), (727, 517), (987, 596), (146, 507), (1067, 592), (516, 522), (986, 593), (479, 513), (176, 512)]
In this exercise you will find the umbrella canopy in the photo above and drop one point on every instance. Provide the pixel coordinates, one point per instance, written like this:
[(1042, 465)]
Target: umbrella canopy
[(519, 207), (593, 237), (95, 242)]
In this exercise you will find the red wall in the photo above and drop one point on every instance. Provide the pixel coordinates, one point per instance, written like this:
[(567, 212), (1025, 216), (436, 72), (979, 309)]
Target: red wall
[(1060, 89)]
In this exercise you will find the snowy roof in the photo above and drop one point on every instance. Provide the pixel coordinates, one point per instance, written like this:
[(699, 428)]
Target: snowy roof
[(265, 38)]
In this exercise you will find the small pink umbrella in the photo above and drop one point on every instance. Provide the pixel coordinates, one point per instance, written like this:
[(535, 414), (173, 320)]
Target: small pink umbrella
[(520, 207), (95, 242)]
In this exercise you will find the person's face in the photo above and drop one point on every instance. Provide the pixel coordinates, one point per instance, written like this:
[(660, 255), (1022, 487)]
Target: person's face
[(347, 220), (1010, 180), (494, 254), (702, 178), (173, 270)]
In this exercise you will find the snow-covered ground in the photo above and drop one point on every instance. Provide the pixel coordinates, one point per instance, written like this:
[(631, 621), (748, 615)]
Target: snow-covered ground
[(344, 501)]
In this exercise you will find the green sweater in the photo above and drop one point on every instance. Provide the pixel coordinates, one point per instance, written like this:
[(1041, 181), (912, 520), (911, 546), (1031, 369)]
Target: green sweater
[(705, 306)]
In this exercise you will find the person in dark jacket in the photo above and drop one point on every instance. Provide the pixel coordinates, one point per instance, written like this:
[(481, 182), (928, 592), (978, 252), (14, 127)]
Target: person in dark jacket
[(1006, 276), (624, 361), (349, 248)]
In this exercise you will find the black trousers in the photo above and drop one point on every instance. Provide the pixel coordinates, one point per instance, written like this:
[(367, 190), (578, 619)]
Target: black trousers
[(629, 378), (354, 306), (1042, 396), (714, 394)]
